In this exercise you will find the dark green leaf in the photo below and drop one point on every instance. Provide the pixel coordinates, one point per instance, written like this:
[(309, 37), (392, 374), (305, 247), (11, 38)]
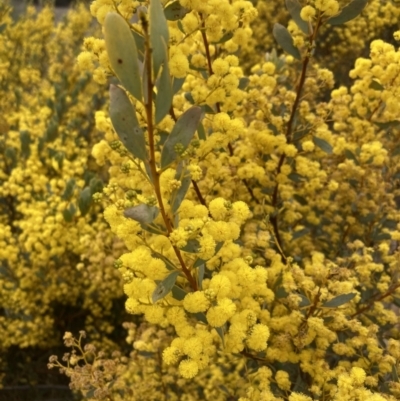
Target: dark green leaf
[(295, 177), (220, 331), (159, 35), (85, 200), (300, 233), (192, 246), (350, 155), (189, 97), (178, 293), (181, 134), (243, 82), (368, 218), (201, 317), (122, 52), (126, 124), (3, 27), (304, 301), (179, 194), (69, 189), (281, 293), (69, 213), (376, 85), (382, 237), (395, 376), (154, 228), (163, 101), (177, 84), (389, 124), (300, 199), (201, 132), (339, 300), (349, 12), (294, 8), (285, 40), (225, 37), (200, 275), (96, 185), (323, 145), (143, 214), (175, 11), (180, 26), (168, 263), (25, 144), (165, 286)]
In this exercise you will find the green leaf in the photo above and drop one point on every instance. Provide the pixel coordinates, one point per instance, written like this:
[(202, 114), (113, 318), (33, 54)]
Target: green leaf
[(154, 228), (323, 145), (395, 376), (350, 155), (285, 40), (281, 293), (122, 52), (165, 286), (69, 189), (300, 199), (179, 194), (382, 237), (143, 214), (96, 185), (294, 8), (174, 11), (182, 133), (243, 82), (200, 275), (220, 331), (304, 301), (25, 144), (376, 85), (177, 84), (3, 27), (295, 177), (300, 233), (192, 246), (201, 132), (126, 124), (85, 200), (349, 12), (159, 35), (69, 213), (163, 100), (201, 317), (178, 293), (225, 37), (339, 300), (168, 263), (139, 40)]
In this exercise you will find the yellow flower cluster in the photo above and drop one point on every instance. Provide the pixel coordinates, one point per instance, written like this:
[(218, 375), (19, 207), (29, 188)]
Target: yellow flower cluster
[(54, 258), (269, 267)]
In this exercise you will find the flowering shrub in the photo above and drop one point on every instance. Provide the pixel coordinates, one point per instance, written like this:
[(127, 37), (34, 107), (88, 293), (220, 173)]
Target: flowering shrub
[(258, 212), (56, 252)]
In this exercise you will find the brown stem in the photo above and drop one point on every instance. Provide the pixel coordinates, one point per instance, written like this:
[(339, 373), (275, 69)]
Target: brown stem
[(198, 193), (289, 128), (376, 298), (152, 160)]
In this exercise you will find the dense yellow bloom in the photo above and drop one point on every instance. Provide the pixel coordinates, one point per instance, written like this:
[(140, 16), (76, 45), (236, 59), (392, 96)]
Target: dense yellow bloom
[(196, 302)]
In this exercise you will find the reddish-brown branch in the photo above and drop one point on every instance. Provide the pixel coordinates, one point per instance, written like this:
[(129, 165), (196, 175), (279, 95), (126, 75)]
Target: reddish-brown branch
[(152, 161)]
